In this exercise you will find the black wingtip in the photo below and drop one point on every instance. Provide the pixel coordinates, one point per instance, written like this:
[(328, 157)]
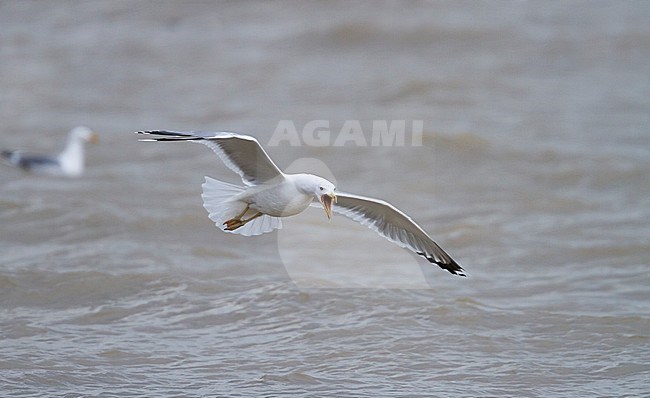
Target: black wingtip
[(154, 132), (451, 267), (164, 132), (168, 135)]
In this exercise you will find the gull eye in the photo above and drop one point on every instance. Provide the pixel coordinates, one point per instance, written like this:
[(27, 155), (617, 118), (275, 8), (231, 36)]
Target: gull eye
[(321, 188)]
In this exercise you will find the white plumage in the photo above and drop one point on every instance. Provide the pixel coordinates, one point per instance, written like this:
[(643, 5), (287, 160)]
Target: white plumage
[(270, 194)]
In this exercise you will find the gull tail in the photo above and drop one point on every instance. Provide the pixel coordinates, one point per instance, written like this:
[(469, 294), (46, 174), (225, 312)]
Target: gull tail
[(10, 158), (219, 199), (16, 158)]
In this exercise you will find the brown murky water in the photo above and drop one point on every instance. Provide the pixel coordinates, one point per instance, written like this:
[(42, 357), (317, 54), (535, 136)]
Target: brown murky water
[(532, 173)]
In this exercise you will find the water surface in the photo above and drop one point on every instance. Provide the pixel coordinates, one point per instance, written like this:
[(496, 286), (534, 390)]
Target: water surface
[(532, 174)]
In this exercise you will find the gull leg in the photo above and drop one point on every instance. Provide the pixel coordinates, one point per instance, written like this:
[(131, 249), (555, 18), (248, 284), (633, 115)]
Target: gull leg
[(236, 222), (243, 212), (233, 224), (258, 214)]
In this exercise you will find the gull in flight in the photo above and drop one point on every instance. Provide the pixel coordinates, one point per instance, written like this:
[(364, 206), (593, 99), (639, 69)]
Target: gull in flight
[(69, 163), (270, 194)]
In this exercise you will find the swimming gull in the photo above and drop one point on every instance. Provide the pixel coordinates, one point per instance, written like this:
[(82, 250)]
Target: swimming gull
[(270, 194), (70, 162)]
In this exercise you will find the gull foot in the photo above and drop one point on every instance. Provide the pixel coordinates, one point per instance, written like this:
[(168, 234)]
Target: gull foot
[(233, 224)]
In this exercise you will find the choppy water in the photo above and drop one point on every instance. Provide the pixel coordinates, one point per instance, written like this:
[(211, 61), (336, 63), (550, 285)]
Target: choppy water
[(532, 174)]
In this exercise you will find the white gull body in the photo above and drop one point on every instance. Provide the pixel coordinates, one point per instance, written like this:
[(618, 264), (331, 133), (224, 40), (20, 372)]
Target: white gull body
[(270, 194), (70, 162)]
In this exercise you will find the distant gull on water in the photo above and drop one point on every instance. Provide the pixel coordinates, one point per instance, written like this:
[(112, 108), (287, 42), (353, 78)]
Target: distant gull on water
[(70, 162), (270, 194)]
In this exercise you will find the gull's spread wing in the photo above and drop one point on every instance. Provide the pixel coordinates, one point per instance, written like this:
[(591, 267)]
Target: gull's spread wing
[(392, 224), (241, 153)]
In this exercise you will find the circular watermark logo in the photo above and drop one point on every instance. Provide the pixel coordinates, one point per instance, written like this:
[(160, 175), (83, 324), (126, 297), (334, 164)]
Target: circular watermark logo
[(340, 253)]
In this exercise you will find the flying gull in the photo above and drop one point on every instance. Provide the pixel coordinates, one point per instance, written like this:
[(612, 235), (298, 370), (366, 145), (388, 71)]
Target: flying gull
[(69, 163), (270, 194)]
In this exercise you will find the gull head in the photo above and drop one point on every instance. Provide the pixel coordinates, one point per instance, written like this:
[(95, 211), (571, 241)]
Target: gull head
[(85, 134), (317, 187), (326, 196), (321, 189)]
